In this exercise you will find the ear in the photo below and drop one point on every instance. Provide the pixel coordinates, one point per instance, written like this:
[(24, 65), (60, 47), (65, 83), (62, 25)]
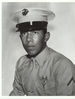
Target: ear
[(47, 36)]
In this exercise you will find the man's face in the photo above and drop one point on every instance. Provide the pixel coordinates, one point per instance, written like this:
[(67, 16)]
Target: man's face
[(33, 41)]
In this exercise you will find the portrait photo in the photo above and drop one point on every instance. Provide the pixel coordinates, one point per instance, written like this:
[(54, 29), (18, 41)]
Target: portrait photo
[(38, 48)]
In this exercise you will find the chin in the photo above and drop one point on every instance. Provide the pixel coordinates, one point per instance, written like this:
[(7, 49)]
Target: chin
[(32, 54)]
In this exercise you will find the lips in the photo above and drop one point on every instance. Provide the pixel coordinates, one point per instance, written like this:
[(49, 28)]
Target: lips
[(30, 47)]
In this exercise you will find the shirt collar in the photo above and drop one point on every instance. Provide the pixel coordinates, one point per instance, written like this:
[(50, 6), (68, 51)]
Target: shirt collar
[(43, 56)]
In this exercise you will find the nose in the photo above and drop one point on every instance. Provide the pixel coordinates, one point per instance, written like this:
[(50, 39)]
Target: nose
[(29, 36)]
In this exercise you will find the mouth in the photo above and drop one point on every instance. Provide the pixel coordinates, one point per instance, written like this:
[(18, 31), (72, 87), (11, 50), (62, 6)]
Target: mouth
[(30, 47)]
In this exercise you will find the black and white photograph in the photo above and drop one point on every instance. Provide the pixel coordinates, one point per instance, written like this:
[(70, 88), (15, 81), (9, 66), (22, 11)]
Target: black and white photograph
[(38, 49)]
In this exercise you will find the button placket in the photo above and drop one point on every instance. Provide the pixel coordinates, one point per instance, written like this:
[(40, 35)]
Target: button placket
[(33, 75)]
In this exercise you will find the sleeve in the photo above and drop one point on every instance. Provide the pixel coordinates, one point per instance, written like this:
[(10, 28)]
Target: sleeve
[(17, 84), (64, 78)]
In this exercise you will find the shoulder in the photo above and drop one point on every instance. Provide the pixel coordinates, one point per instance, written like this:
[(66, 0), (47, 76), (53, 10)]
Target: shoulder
[(20, 61), (60, 61), (56, 56)]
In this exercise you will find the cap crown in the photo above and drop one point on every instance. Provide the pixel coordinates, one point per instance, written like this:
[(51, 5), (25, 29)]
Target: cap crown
[(33, 14)]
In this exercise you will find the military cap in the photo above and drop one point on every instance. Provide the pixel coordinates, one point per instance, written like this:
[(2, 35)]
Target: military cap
[(33, 19)]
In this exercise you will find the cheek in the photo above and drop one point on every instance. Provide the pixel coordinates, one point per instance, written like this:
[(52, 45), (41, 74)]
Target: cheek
[(23, 39), (37, 39)]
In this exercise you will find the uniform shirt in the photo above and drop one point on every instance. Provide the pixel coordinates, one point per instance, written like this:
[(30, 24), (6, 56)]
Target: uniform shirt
[(49, 73)]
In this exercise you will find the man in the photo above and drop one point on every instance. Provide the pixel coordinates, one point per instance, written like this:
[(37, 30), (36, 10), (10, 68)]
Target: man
[(42, 71)]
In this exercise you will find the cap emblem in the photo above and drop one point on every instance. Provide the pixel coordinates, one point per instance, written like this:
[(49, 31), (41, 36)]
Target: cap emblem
[(24, 12)]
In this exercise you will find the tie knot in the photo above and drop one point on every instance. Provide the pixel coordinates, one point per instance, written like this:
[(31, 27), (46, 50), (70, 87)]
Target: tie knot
[(32, 59)]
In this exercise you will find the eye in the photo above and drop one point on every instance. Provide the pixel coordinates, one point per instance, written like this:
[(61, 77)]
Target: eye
[(35, 32), (24, 33)]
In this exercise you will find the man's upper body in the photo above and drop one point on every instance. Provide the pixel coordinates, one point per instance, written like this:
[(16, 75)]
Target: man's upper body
[(42, 71), (49, 73)]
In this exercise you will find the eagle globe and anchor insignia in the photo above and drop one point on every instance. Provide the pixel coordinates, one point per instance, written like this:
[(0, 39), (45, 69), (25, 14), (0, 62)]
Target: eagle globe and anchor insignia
[(24, 12)]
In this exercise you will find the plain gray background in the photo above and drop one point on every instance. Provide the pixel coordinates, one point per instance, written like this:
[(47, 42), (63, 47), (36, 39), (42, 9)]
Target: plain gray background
[(62, 38)]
